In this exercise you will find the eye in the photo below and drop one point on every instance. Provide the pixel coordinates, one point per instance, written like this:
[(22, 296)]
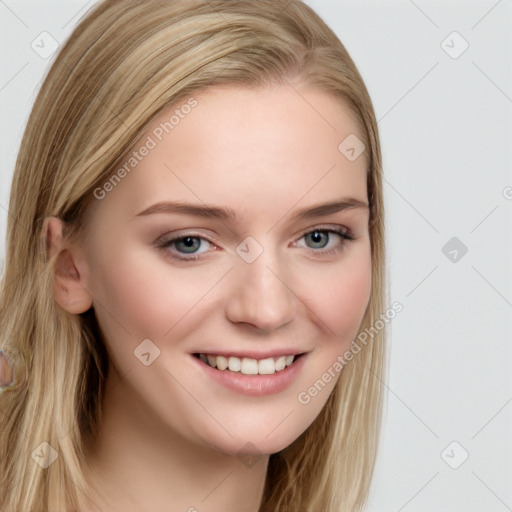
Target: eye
[(189, 244), (186, 247), (326, 240), (319, 239), (323, 241)]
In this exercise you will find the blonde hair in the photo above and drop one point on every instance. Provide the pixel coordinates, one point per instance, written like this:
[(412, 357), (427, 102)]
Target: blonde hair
[(124, 63)]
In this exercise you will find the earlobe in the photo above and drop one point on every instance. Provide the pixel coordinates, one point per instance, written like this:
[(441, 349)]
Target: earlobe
[(68, 287)]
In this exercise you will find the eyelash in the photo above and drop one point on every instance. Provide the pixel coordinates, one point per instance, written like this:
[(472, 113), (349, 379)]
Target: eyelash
[(343, 233)]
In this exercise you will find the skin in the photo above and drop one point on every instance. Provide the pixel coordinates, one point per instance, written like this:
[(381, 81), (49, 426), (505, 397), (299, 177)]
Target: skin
[(172, 439)]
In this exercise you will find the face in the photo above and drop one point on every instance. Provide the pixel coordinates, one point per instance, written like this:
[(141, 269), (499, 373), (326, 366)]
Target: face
[(264, 273)]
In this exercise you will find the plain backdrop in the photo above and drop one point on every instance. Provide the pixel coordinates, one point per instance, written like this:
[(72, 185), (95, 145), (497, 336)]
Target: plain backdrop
[(440, 76)]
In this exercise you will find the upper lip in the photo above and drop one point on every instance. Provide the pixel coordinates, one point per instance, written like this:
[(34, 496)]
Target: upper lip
[(252, 354)]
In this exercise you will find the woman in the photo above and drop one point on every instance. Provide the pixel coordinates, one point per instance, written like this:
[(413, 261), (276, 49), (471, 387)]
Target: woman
[(195, 241)]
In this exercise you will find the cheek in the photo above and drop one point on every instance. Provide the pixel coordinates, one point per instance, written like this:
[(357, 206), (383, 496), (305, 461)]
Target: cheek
[(146, 295), (341, 298)]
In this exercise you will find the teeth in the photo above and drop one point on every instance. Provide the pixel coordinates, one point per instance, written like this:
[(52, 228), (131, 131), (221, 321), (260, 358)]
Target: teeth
[(248, 366), (222, 363), (234, 364), (267, 366), (281, 363)]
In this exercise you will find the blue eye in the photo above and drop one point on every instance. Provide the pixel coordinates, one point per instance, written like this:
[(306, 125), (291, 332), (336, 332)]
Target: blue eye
[(318, 237), (190, 244), (321, 238), (185, 245), (322, 242)]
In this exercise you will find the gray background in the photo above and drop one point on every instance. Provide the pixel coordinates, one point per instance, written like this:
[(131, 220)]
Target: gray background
[(445, 118)]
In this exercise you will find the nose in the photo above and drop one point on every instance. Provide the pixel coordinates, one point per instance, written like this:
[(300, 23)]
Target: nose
[(260, 295)]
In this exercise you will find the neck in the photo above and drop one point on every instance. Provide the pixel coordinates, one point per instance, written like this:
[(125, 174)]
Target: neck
[(138, 463)]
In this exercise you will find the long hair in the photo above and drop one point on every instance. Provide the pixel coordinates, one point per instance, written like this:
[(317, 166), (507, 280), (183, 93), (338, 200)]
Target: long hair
[(123, 64)]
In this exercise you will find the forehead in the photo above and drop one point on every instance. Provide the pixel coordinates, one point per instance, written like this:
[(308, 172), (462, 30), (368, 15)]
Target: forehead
[(253, 150)]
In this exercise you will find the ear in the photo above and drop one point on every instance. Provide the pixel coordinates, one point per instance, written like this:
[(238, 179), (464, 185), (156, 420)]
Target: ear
[(68, 290)]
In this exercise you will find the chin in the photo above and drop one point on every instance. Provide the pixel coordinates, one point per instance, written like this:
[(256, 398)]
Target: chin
[(254, 439), (244, 446)]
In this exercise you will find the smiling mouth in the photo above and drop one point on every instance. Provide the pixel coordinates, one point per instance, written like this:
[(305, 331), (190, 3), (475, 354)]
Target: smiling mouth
[(247, 365)]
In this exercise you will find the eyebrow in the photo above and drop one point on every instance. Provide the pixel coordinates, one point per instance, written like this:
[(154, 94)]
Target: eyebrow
[(227, 214)]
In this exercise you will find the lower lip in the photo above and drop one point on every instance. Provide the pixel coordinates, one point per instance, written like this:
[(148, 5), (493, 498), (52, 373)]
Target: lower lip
[(254, 385)]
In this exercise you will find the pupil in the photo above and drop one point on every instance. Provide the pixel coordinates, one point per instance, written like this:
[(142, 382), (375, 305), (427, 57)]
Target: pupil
[(316, 238), (189, 242)]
